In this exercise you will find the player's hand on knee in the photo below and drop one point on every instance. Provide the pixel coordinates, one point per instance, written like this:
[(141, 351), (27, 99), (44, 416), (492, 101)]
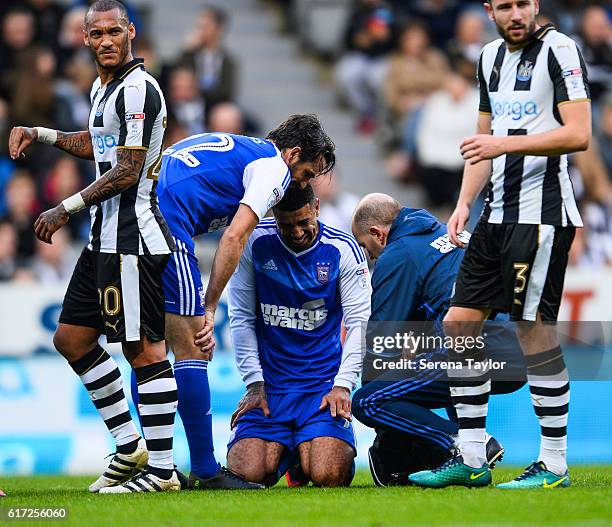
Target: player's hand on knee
[(21, 137), (339, 402), (205, 338), (50, 222), (208, 355), (255, 397)]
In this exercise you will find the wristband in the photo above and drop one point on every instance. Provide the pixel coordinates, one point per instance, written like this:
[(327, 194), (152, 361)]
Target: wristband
[(46, 135), (74, 203)]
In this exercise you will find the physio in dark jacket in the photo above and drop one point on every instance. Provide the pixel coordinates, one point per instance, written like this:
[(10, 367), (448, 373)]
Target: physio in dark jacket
[(413, 280), (414, 274)]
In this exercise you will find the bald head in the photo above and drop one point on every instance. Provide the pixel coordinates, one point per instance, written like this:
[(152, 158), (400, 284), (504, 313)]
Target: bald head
[(375, 209), (372, 222)]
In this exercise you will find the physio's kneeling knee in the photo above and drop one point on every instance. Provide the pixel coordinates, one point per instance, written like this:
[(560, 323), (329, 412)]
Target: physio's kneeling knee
[(356, 407)]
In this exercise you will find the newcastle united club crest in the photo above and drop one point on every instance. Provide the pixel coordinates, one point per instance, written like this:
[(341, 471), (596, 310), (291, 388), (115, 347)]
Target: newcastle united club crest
[(525, 70)]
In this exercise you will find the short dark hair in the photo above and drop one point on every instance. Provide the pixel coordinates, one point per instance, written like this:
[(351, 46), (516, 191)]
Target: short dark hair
[(220, 15), (101, 6), (295, 198), (305, 131)]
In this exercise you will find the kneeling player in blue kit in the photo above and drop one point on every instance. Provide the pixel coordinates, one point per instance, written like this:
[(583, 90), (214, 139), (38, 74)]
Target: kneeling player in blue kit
[(297, 280)]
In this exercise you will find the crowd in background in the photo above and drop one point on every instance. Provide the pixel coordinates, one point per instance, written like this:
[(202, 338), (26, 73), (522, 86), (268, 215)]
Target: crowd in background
[(46, 75), (406, 72)]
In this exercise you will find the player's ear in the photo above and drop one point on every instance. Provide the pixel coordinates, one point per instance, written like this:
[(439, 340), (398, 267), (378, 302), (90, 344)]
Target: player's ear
[(317, 206), (537, 7), (131, 31), (489, 8), (293, 155), (86, 37)]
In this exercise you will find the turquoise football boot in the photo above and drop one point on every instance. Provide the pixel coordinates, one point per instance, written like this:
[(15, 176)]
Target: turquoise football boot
[(537, 476), (453, 472)]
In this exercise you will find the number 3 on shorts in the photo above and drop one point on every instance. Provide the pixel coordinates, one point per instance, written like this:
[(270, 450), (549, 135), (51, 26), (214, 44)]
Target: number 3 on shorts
[(521, 280)]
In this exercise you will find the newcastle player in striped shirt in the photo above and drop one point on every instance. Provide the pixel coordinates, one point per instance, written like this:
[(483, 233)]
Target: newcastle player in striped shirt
[(534, 110), (116, 286)]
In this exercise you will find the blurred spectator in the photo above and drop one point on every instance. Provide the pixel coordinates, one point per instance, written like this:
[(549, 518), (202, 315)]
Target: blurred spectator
[(71, 47), (54, 262), (184, 101), (21, 210), (74, 91), (594, 180), (174, 133), (8, 251), (595, 41), (469, 38), (7, 167), (226, 117), (597, 249), (215, 68), (48, 15), (440, 16), (361, 71), (35, 101), (593, 187), (446, 119), (63, 180), (415, 72), (18, 31), (605, 135), (337, 205), (562, 13), (144, 48), (4, 135)]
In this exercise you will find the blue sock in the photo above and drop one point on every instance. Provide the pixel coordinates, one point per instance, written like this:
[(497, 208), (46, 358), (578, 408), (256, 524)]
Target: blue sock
[(194, 409), (135, 397)]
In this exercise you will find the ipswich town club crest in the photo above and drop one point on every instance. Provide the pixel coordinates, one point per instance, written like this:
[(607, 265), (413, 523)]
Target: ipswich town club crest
[(525, 70), (323, 273)]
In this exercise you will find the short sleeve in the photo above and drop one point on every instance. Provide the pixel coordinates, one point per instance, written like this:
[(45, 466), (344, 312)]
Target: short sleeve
[(94, 90), (265, 181), (568, 72), (138, 106), (485, 101)]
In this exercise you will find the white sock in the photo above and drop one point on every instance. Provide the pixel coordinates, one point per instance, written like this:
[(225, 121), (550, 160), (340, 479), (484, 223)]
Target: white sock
[(473, 448), (554, 455)]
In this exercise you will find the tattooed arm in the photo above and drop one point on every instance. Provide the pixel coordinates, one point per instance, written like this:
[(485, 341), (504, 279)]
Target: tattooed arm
[(76, 143), (118, 179)]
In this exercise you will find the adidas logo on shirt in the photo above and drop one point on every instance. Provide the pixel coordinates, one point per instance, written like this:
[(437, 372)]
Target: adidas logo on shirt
[(270, 266)]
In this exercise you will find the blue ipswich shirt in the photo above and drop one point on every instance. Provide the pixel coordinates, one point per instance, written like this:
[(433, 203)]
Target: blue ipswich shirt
[(286, 310), (204, 179)]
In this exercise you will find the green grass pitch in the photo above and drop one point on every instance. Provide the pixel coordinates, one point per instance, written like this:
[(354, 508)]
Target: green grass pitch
[(587, 503)]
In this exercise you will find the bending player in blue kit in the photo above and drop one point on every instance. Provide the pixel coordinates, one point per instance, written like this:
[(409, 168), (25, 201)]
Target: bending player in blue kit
[(296, 281), (208, 182)]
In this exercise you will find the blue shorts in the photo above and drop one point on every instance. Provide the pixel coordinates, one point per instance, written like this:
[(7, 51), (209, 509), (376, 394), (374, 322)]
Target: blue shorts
[(294, 418), (182, 282)]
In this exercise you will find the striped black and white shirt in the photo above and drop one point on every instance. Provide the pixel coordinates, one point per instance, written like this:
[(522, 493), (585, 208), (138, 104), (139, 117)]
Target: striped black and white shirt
[(522, 91), (128, 112)]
